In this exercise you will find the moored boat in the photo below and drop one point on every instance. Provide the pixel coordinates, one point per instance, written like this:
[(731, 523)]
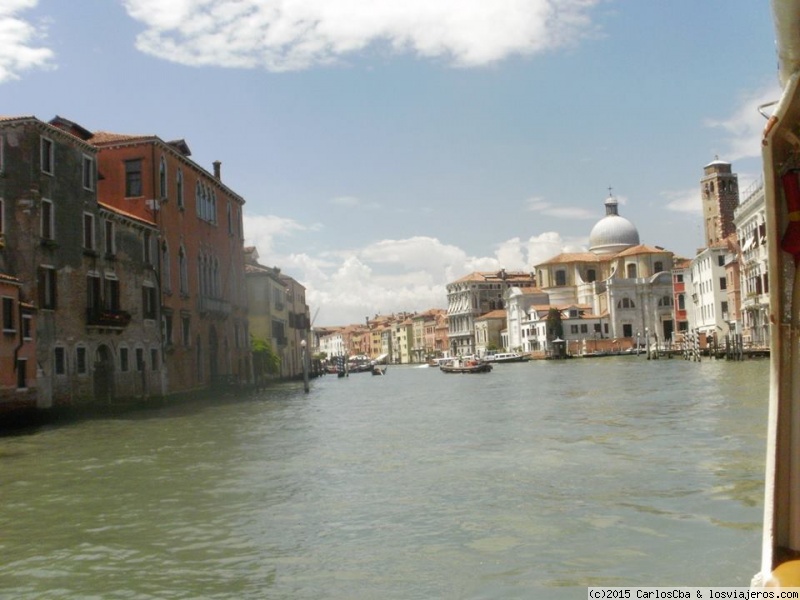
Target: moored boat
[(506, 357)]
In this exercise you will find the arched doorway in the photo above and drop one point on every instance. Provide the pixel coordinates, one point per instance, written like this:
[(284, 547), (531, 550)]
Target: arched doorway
[(213, 352), (103, 375)]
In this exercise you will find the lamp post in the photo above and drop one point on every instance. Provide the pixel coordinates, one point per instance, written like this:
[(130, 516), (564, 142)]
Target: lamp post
[(647, 341), (305, 365), (638, 334)]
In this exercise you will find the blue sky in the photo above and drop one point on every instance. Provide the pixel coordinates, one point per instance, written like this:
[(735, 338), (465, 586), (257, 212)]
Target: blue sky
[(387, 147)]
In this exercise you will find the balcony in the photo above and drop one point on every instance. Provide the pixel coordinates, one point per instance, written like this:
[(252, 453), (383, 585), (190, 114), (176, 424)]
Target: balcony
[(213, 306), (109, 319)]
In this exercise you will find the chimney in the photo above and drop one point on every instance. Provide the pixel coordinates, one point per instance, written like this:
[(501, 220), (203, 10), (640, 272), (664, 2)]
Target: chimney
[(217, 171)]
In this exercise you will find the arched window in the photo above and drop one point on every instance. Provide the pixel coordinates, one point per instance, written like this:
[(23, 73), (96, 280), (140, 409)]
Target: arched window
[(183, 269), (166, 270), (626, 303), (591, 275), (198, 199), (561, 277), (162, 178), (179, 188)]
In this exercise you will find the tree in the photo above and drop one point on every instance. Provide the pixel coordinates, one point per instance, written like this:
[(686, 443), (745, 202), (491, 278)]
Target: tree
[(555, 328), (265, 360)]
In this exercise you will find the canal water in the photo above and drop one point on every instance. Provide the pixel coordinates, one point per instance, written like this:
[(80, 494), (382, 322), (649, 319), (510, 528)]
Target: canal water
[(533, 481)]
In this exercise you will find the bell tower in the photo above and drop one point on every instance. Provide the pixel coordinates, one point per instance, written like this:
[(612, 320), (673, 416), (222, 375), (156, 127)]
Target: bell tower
[(719, 189)]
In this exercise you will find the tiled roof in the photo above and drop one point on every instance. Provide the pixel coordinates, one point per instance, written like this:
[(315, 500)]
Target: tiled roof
[(643, 249), (8, 278), (508, 276), (572, 257), (495, 314), (107, 137), (125, 214)]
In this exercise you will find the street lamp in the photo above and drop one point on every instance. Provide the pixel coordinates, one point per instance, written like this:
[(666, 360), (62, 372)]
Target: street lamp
[(305, 365), (638, 334)]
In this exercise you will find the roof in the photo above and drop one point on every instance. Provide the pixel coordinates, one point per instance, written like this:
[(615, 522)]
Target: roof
[(501, 275), (571, 257), (643, 249), (494, 314)]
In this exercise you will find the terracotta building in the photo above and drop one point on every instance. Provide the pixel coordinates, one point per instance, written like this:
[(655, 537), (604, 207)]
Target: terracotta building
[(196, 291)]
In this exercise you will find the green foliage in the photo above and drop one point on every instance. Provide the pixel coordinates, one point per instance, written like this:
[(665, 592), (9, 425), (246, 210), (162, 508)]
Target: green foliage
[(265, 360), (555, 328)]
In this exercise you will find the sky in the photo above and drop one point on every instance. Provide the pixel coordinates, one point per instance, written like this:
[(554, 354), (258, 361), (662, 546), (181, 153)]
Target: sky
[(388, 147)]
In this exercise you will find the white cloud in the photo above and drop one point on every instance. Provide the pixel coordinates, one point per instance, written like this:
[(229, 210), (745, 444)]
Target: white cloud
[(685, 201), (352, 202), (283, 35), (402, 275), (745, 126), (18, 41), (540, 206), (261, 231)]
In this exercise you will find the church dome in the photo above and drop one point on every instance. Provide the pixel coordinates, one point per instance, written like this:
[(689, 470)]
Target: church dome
[(612, 233)]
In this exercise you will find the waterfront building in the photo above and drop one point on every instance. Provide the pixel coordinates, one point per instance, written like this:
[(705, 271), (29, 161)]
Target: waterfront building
[(474, 295), (751, 230), (681, 276), (489, 330), (402, 335), (277, 312), (17, 344), (82, 271), (198, 293), (518, 305), (709, 311), (627, 282)]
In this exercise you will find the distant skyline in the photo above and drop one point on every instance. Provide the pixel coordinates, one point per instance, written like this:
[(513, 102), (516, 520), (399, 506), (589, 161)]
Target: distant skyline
[(386, 148)]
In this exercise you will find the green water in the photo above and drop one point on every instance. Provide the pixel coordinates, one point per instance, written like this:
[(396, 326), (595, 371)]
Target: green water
[(533, 481)]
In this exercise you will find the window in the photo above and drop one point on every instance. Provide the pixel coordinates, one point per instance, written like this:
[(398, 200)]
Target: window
[(147, 246), (584, 328), (162, 179), (123, 360), (22, 368), (166, 328), (179, 189), (658, 266), (230, 220), (681, 302), (724, 310), (139, 360), (626, 303), (166, 270), (627, 330), (723, 283), (679, 278), (111, 293), (573, 329), (597, 327), (88, 172), (183, 269), (149, 302), (8, 315), (591, 275), (60, 361), (133, 178), (80, 360), (721, 260), (110, 238), (631, 271), (47, 228), (47, 287), (2, 213), (154, 359), (27, 327), (185, 331), (47, 155), (88, 231), (93, 293), (561, 277)]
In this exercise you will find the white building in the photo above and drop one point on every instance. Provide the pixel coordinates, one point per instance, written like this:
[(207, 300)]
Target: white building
[(751, 230), (519, 302), (626, 284), (709, 296)]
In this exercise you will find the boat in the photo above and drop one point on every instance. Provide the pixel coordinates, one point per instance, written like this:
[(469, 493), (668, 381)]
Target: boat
[(506, 357), (378, 370), (465, 366), (780, 149)]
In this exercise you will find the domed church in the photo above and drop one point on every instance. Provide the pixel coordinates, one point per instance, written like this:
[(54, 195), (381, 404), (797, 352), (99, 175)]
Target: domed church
[(620, 288)]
